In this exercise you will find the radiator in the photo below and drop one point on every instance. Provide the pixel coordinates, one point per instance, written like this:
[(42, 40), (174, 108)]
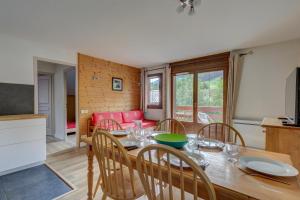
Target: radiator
[(252, 132)]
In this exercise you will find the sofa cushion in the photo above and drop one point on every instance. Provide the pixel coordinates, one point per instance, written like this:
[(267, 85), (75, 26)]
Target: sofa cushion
[(148, 123), (145, 124), (97, 116), (127, 125), (130, 116)]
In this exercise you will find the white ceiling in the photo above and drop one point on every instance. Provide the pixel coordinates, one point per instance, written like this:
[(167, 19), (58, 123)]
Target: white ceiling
[(150, 32)]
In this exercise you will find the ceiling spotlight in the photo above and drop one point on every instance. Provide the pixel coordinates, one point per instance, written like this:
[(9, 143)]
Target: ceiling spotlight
[(188, 3), (192, 10), (181, 6)]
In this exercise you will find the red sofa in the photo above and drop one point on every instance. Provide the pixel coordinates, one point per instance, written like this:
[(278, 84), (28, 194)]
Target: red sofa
[(126, 119)]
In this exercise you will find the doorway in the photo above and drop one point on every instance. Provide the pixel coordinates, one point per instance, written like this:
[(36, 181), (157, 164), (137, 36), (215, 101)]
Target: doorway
[(56, 97), (70, 82), (198, 97), (45, 101), (199, 91)]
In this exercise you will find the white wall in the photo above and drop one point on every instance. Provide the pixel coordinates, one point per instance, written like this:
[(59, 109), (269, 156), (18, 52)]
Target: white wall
[(262, 87), (60, 102), (17, 56)]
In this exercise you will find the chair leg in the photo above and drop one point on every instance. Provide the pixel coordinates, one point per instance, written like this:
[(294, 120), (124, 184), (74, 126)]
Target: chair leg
[(97, 187), (104, 197)]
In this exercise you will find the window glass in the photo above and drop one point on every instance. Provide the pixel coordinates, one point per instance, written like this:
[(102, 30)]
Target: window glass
[(154, 91)]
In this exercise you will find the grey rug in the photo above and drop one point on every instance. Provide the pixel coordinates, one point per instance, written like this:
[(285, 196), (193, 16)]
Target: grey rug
[(36, 183)]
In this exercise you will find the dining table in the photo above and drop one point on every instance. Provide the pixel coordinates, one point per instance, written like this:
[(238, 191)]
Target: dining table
[(229, 181)]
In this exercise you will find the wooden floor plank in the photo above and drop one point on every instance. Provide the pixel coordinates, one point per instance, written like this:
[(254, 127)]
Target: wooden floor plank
[(72, 166)]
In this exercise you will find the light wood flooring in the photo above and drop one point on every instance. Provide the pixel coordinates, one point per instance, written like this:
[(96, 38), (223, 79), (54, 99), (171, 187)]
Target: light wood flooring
[(71, 164), (55, 145)]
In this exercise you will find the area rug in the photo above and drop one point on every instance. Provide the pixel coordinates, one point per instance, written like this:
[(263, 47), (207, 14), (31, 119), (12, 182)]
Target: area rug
[(36, 183)]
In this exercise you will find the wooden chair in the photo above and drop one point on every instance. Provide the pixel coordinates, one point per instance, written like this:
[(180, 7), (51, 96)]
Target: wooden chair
[(149, 164), (118, 180), (105, 125), (102, 125), (222, 132), (171, 125)]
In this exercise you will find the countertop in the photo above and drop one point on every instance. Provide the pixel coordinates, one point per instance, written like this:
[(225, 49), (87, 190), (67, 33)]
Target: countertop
[(21, 117), (275, 122)]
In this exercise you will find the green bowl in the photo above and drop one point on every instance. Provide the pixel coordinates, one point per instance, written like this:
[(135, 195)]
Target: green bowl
[(173, 140)]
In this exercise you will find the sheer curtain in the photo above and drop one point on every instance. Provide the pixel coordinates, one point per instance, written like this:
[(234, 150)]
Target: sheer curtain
[(143, 105), (167, 91), (234, 76)]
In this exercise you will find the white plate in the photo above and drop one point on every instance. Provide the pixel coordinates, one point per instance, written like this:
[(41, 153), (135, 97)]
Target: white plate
[(268, 166), (126, 142), (198, 159), (119, 133), (210, 143)]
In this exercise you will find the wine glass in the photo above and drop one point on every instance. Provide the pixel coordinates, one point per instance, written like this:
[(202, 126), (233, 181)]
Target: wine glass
[(232, 152)]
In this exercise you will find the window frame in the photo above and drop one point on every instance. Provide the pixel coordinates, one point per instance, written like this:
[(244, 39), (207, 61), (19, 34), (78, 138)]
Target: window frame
[(198, 65), (160, 105)]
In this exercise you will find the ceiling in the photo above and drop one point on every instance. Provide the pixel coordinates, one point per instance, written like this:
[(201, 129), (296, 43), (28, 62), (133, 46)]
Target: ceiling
[(150, 32)]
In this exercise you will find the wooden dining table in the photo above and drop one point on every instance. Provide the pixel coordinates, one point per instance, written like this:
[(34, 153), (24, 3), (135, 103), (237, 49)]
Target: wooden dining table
[(228, 180)]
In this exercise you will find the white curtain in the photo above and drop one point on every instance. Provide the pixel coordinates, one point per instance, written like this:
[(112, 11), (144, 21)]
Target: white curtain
[(234, 77), (167, 91), (143, 90)]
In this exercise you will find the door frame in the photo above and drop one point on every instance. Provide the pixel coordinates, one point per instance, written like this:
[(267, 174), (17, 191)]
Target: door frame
[(35, 77), (195, 66)]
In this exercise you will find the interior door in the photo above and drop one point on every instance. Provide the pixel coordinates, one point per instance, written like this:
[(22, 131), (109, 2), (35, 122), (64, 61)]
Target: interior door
[(45, 99)]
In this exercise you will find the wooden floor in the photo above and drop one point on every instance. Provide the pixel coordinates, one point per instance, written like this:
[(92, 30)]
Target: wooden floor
[(55, 145), (72, 166)]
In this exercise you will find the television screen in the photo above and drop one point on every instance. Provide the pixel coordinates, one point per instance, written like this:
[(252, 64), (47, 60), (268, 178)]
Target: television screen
[(291, 97), (16, 99)]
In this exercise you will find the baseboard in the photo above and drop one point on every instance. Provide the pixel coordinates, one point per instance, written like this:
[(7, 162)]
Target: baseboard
[(21, 168)]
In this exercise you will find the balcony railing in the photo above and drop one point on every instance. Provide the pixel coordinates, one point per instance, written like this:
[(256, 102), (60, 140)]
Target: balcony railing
[(205, 113)]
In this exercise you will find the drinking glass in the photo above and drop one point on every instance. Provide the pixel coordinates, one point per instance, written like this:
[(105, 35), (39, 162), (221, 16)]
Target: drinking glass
[(192, 144), (200, 139), (130, 132), (232, 152)]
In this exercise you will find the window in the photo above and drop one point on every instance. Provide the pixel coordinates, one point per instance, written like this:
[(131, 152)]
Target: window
[(183, 94), (154, 91), (199, 90), (210, 97)]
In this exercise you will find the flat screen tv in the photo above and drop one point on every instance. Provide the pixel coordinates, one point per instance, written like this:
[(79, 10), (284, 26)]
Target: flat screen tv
[(292, 98), (16, 99)]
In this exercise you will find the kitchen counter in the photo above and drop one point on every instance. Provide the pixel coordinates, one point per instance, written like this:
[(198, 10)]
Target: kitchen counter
[(22, 142), (21, 117)]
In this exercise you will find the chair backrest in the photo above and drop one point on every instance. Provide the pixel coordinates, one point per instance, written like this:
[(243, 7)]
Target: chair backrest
[(113, 159), (154, 161), (222, 132), (108, 125), (171, 125)]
